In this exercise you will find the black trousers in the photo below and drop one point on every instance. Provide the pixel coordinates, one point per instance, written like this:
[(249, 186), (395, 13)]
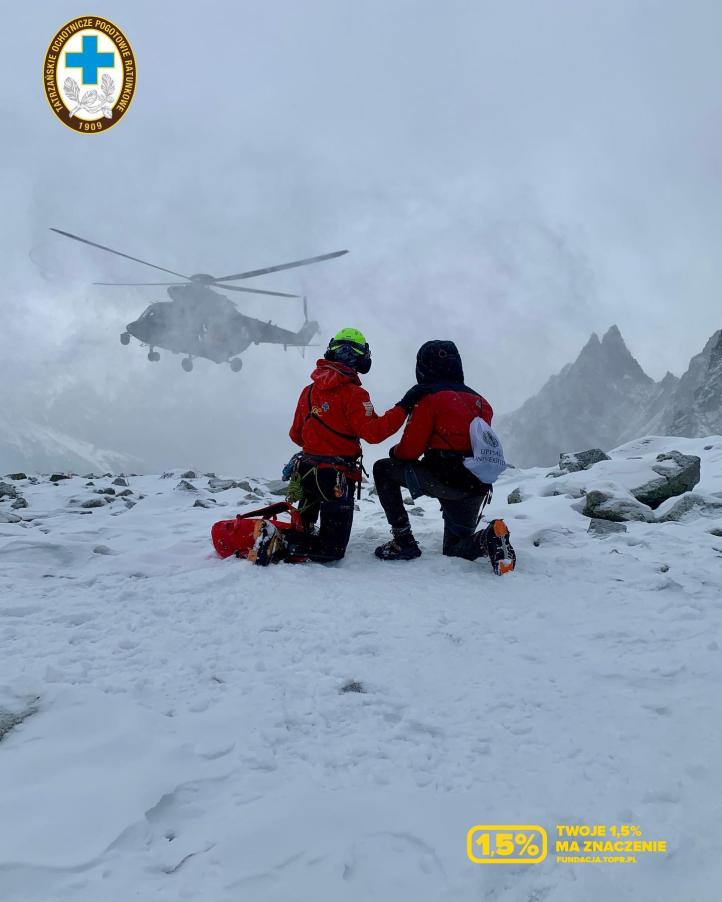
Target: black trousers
[(327, 501), (459, 507)]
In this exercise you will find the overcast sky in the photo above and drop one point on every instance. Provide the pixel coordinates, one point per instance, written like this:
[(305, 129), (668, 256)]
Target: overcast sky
[(510, 175)]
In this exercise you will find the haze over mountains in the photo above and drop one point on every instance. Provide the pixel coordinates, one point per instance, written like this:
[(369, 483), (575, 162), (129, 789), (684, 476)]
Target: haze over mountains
[(605, 398)]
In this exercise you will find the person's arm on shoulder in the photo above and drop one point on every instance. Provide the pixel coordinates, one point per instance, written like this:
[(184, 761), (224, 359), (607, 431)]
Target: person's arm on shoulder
[(417, 434), (366, 423)]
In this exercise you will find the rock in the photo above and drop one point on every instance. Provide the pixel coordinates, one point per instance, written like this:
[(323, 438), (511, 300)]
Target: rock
[(581, 460), (277, 487), (702, 505), (606, 507), (245, 485), (102, 549), (58, 477), (120, 480), (94, 502), (7, 490), (416, 512), (409, 501), (19, 503), (17, 476), (514, 497), (352, 686), (678, 473), (186, 486), (205, 502), (124, 494), (605, 527), (89, 483), (716, 532), (220, 485), (189, 474), (106, 491), (9, 518)]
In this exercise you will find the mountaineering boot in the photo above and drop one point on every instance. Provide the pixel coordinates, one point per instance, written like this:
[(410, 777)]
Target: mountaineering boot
[(269, 546), (402, 547), (495, 541)]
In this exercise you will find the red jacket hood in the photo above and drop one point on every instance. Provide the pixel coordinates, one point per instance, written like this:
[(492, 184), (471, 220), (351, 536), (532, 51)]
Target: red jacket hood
[(329, 374)]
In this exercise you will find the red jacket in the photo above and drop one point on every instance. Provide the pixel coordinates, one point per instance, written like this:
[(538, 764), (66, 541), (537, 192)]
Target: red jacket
[(441, 421), (338, 399)]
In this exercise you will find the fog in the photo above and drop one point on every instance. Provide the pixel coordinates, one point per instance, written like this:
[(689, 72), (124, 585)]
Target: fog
[(511, 176)]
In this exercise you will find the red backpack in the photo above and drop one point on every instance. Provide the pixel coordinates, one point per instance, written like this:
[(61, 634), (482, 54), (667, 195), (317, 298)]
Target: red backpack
[(238, 536)]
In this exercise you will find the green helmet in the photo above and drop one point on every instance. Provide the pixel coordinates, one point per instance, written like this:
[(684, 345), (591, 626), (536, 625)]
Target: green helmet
[(349, 346), (351, 335)]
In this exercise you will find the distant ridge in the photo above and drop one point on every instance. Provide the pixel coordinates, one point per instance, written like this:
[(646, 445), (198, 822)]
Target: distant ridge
[(604, 398)]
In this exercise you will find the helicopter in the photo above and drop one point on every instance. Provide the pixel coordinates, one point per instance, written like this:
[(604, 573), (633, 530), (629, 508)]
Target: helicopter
[(201, 322)]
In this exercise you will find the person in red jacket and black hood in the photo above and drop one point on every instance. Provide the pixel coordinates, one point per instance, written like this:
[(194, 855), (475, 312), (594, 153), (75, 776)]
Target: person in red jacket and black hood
[(333, 413), (438, 428)]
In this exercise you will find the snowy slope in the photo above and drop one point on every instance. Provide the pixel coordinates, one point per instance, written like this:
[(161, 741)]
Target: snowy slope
[(29, 445), (186, 734)]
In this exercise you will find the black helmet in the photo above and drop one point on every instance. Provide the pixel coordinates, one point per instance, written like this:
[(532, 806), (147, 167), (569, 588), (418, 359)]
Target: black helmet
[(349, 347), (439, 361)]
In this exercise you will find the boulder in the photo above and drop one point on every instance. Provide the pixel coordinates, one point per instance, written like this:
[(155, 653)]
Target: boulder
[(17, 476), (581, 460), (600, 527), (186, 486), (58, 477), (120, 480), (220, 485), (7, 491), (205, 502), (94, 502), (19, 503), (514, 497), (678, 473), (602, 506), (277, 487), (690, 503), (9, 518)]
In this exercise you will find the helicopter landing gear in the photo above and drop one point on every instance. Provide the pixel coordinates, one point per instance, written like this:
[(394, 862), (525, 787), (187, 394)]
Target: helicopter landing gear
[(187, 364), (153, 356), (125, 338), (236, 364)]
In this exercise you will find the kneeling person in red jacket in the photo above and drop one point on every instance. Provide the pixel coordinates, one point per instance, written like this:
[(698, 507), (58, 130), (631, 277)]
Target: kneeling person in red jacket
[(333, 413), (438, 428)]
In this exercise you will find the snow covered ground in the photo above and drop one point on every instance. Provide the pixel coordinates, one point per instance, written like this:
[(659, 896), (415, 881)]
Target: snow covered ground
[(187, 736)]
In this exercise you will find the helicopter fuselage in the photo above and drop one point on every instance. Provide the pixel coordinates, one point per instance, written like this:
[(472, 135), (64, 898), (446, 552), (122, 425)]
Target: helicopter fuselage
[(200, 322)]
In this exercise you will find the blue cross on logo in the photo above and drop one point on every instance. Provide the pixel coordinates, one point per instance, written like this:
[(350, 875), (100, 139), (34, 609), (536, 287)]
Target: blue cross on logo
[(90, 60)]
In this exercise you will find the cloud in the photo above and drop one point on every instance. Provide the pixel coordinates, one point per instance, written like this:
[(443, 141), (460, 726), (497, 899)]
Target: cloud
[(510, 177)]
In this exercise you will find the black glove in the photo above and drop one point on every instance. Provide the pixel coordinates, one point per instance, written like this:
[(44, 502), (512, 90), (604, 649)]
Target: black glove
[(413, 396)]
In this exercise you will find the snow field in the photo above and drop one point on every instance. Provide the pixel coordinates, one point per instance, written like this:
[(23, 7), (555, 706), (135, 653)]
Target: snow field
[(192, 738)]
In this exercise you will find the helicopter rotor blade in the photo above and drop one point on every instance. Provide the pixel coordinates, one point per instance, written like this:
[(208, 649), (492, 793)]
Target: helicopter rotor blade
[(118, 253), (140, 283), (275, 294), (281, 266)]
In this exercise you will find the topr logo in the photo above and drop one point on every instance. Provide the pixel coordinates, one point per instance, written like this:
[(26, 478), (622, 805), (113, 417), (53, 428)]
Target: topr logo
[(89, 74)]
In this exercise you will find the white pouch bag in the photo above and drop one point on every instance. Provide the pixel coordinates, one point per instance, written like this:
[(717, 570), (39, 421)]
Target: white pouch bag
[(488, 462)]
